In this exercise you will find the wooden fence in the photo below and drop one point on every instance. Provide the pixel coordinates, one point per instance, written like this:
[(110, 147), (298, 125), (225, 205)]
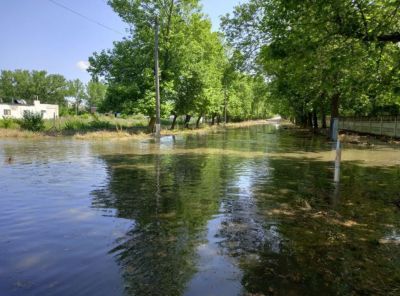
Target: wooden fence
[(382, 126)]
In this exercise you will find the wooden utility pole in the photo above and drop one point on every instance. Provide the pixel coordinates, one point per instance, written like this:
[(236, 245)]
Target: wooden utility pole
[(225, 104), (157, 78), (76, 104)]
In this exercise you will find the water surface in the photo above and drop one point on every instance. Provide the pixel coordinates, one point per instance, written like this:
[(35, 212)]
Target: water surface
[(244, 212)]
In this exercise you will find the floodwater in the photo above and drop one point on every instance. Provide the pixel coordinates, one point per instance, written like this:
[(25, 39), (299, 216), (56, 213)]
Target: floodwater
[(250, 211)]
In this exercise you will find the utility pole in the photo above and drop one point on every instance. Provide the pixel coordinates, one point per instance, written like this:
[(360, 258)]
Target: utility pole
[(76, 104), (225, 106), (157, 78)]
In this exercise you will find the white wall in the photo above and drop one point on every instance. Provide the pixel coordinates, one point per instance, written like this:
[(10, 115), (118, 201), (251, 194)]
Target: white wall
[(17, 111)]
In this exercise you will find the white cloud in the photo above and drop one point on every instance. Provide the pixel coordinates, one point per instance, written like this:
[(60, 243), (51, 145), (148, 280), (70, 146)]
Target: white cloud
[(83, 65)]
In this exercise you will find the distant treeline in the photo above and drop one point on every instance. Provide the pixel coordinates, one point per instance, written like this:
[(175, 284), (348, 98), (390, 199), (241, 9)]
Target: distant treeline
[(49, 88)]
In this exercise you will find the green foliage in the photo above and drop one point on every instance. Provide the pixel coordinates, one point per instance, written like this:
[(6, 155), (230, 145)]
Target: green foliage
[(32, 121), (317, 56), (50, 88), (96, 93), (75, 125), (87, 123), (192, 62), (100, 125), (8, 123), (65, 111), (77, 91)]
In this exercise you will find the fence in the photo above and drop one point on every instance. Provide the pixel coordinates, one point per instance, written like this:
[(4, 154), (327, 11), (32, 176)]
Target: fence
[(382, 126)]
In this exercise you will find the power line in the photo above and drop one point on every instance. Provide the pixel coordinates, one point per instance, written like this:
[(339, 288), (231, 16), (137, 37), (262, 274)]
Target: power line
[(85, 17)]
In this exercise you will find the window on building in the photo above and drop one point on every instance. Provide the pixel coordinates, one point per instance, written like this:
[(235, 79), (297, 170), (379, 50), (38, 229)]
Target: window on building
[(7, 112), (43, 112)]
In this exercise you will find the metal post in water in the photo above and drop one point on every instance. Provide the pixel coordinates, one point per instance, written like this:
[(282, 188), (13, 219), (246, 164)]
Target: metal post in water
[(337, 161)]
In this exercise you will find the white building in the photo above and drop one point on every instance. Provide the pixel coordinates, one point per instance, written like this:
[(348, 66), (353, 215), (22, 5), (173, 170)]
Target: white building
[(17, 110)]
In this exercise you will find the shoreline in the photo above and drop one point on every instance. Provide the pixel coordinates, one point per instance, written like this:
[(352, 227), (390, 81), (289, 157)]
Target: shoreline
[(121, 134)]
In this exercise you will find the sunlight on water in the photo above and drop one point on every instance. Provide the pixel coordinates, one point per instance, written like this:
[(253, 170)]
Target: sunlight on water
[(243, 212)]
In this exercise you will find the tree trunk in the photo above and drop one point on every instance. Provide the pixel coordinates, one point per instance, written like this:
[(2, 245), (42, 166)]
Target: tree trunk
[(174, 122), (187, 121), (198, 121), (218, 119), (213, 119), (315, 120), (323, 118), (152, 124), (322, 110)]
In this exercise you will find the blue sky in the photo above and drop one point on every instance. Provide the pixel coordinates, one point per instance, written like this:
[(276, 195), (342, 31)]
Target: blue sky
[(38, 35)]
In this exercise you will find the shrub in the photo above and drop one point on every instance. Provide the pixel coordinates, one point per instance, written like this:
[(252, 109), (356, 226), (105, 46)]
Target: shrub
[(65, 111), (32, 121), (75, 125), (8, 122), (100, 125), (85, 116)]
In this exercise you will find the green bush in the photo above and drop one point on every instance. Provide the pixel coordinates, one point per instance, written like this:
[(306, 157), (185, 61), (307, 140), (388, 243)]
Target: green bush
[(85, 116), (8, 122), (32, 121), (100, 125), (75, 125), (65, 111)]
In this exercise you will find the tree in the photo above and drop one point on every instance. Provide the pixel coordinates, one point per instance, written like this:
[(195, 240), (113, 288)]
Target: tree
[(77, 91), (192, 62), (128, 67), (96, 93), (320, 55), (27, 85)]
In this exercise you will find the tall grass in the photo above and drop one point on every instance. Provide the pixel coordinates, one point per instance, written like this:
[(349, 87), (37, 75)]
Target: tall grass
[(9, 123), (99, 123)]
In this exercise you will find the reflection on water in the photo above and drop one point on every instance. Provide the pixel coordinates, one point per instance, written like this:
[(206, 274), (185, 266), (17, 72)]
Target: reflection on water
[(244, 212)]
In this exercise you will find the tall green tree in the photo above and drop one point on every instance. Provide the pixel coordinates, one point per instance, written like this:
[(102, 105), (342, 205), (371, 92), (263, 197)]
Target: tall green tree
[(129, 67), (193, 59), (320, 56), (95, 93), (77, 91)]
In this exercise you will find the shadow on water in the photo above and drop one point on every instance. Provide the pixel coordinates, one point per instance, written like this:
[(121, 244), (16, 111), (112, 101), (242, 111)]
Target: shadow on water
[(246, 212), (222, 225), (170, 199), (331, 241)]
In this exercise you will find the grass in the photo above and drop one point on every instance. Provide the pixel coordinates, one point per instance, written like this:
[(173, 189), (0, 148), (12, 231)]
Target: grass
[(17, 133), (104, 135), (107, 127), (87, 123)]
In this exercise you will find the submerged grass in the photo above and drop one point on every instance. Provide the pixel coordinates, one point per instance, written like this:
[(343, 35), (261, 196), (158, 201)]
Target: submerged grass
[(100, 135)]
